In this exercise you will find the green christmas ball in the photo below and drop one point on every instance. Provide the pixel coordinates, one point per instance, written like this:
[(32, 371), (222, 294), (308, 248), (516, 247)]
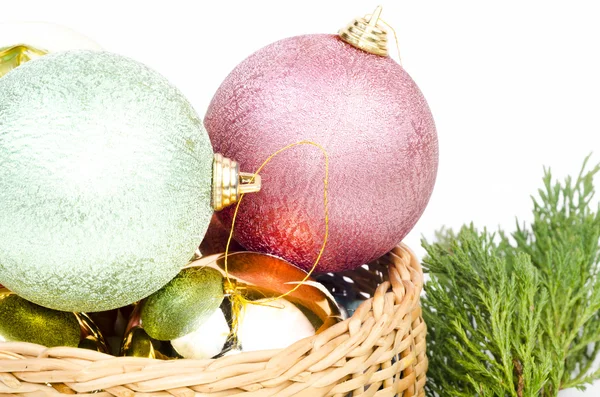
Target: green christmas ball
[(105, 181)]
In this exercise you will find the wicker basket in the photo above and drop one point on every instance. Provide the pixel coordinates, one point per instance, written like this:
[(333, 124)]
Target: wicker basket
[(379, 351)]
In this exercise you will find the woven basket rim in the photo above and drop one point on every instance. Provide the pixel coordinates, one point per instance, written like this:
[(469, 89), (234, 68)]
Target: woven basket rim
[(377, 351)]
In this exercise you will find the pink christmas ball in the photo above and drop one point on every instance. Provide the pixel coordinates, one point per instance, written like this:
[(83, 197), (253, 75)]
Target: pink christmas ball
[(368, 114)]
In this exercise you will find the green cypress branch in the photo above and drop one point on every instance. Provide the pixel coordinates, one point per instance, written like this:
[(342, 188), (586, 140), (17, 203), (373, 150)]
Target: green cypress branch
[(518, 315)]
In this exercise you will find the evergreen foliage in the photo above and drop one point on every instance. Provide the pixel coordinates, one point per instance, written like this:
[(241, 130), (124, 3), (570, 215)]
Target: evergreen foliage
[(519, 314)]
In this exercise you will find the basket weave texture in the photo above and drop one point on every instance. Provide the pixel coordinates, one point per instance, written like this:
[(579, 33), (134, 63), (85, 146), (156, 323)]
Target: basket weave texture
[(379, 351)]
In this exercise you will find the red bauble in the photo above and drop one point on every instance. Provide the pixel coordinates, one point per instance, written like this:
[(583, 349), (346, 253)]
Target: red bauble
[(368, 114), (215, 239)]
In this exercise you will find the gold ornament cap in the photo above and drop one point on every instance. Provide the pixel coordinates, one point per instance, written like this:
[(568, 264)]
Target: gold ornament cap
[(367, 33), (14, 56), (229, 183)]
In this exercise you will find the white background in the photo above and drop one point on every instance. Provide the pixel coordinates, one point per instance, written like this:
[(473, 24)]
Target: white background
[(513, 85)]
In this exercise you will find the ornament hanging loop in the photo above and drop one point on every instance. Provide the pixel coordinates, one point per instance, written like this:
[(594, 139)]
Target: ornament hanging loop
[(232, 287), (229, 183)]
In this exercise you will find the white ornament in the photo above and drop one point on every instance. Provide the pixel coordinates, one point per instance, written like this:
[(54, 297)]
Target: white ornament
[(205, 342), (44, 36), (275, 325)]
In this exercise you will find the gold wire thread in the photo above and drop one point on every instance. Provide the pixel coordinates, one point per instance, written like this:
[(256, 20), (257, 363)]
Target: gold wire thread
[(387, 25), (238, 299)]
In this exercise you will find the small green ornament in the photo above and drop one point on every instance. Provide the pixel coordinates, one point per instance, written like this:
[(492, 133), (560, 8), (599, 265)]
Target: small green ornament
[(23, 321), (182, 305)]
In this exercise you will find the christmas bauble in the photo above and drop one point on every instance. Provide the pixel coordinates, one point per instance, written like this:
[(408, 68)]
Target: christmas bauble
[(371, 118), (215, 239), (105, 181), (23, 41), (185, 302), (23, 321)]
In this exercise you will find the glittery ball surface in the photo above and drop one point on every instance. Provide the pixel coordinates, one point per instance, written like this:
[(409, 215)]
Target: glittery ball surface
[(371, 118), (105, 180)]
